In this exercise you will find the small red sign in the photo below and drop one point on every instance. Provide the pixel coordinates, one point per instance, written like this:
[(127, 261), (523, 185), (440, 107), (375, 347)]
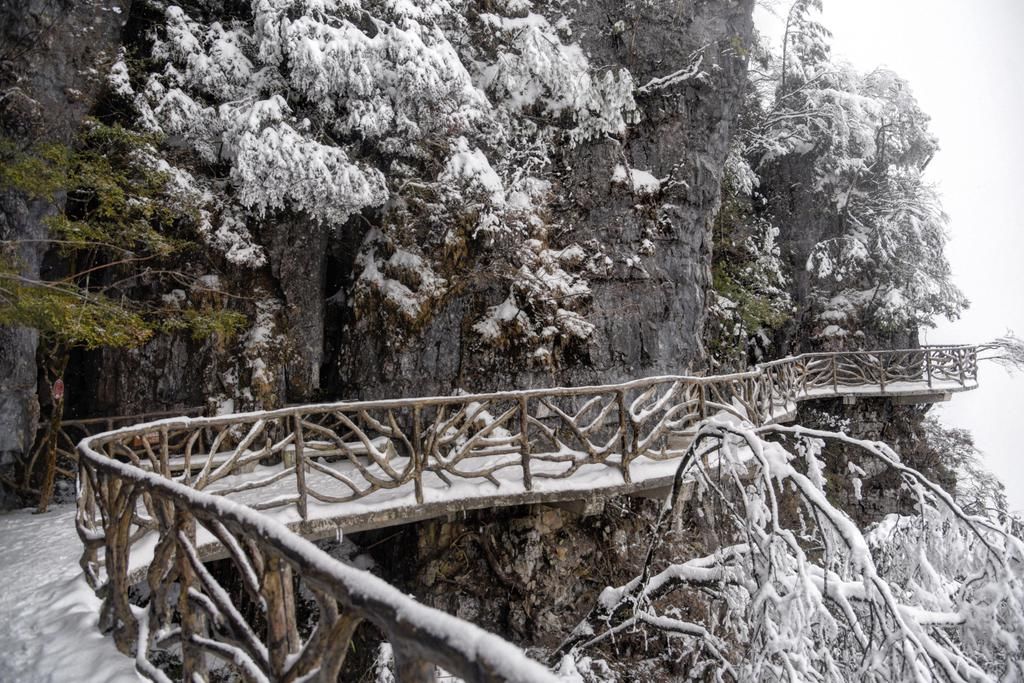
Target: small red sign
[(58, 390)]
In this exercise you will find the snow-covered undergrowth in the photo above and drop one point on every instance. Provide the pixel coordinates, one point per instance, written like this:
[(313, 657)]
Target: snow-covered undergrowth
[(793, 590)]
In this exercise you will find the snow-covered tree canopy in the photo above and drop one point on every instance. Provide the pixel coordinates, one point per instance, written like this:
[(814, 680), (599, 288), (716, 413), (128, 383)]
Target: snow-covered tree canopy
[(865, 144), (437, 116)]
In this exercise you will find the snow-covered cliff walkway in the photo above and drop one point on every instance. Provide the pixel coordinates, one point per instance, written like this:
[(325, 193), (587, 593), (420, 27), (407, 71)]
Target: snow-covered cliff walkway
[(159, 499)]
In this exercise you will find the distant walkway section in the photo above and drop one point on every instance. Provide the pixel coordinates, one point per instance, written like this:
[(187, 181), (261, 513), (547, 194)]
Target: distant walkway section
[(159, 499)]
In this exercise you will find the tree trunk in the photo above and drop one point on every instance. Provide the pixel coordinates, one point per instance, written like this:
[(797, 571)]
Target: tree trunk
[(56, 369)]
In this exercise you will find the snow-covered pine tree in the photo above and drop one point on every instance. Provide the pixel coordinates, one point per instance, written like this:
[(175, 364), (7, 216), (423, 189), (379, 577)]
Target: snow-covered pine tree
[(436, 116), (838, 156)]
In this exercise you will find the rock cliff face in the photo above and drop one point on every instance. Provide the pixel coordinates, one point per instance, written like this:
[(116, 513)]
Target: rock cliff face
[(532, 573), (647, 305), (522, 572), (877, 419), (308, 339), (805, 221), (53, 56), (647, 310)]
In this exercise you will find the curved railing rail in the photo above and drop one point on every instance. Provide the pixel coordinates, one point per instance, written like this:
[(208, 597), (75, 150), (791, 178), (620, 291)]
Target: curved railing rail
[(152, 495)]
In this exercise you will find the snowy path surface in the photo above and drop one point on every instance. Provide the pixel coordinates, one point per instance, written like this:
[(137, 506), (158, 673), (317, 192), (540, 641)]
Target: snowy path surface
[(48, 615)]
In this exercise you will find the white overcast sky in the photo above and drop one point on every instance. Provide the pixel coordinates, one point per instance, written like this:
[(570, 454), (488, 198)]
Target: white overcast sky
[(965, 64)]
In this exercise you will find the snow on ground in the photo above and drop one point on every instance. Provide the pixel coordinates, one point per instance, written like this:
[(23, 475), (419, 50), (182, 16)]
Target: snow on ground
[(48, 614)]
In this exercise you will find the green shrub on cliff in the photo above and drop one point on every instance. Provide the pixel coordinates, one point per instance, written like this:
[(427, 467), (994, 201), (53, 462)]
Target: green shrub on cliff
[(116, 246), (117, 257)]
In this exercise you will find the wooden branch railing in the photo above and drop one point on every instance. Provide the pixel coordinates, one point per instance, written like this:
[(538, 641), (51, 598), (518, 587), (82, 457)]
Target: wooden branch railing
[(73, 430), (151, 495), (189, 611)]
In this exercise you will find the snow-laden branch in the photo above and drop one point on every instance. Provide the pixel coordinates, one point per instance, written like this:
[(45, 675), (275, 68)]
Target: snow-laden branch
[(797, 591), (1007, 351), (690, 72)]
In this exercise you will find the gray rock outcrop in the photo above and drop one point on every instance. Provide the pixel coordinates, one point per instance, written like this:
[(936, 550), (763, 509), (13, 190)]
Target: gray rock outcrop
[(648, 313)]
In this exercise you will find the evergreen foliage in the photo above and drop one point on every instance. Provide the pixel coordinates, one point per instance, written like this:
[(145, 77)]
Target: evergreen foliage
[(122, 229), (436, 122), (112, 276)]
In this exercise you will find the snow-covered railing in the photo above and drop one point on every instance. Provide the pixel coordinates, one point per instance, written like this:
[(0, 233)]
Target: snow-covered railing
[(151, 495), (73, 430), (257, 634)]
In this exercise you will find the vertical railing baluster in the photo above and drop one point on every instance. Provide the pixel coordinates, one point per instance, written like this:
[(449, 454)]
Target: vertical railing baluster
[(86, 521), (787, 395), (960, 365), (766, 391), (190, 442), (417, 452), (620, 397), (117, 616), (835, 374), (192, 621), (928, 366), (759, 418), (279, 593), (299, 444), (778, 378), (291, 615), (165, 467), (338, 642), (881, 369), (524, 442), (749, 400)]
